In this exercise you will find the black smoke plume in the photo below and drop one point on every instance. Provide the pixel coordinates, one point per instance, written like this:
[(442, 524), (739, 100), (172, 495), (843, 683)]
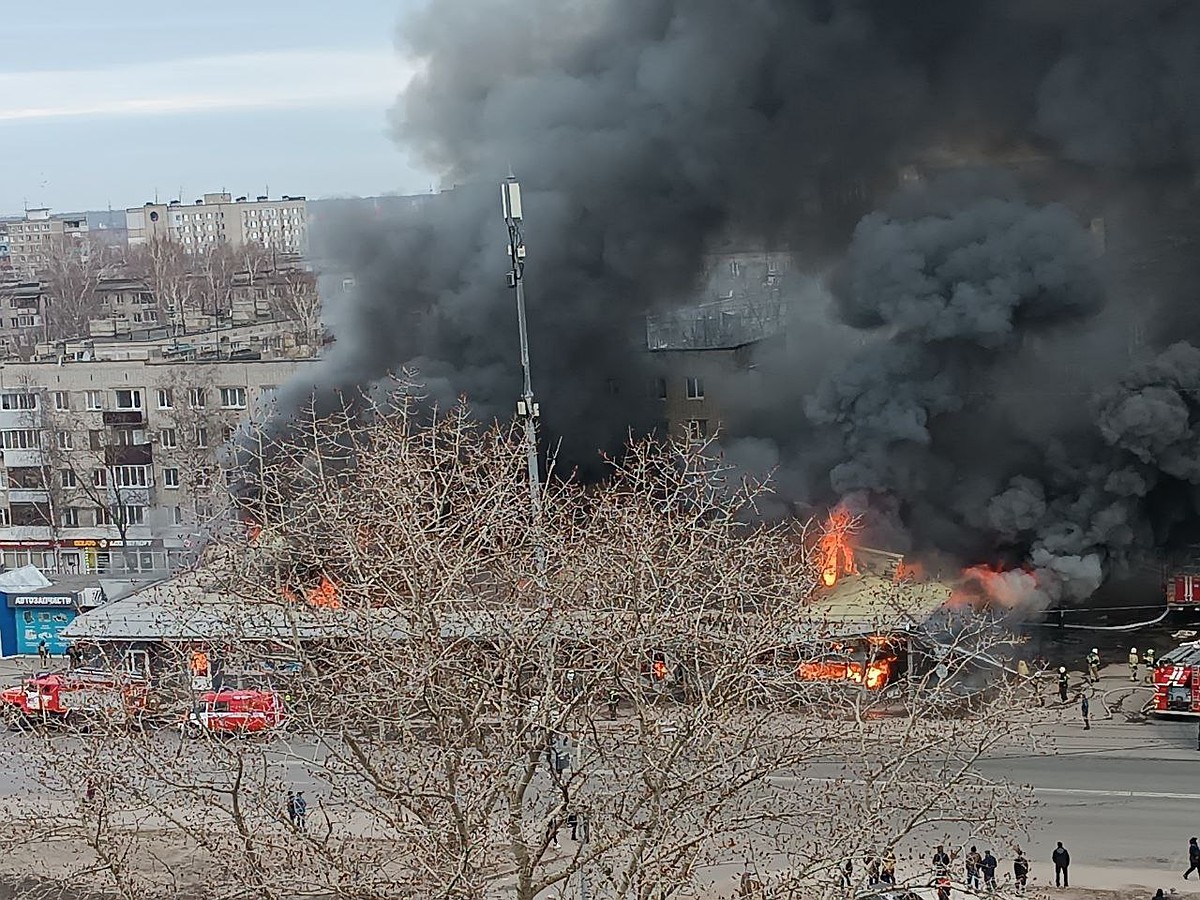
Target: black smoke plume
[(959, 365)]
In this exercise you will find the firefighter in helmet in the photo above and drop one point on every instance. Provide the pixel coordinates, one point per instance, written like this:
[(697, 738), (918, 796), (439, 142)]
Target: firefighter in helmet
[(1093, 661), (1063, 683), (1133, 664), (1148, 659)]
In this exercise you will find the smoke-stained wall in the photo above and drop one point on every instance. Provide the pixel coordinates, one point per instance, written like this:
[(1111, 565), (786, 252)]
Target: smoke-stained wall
[(960, 364)]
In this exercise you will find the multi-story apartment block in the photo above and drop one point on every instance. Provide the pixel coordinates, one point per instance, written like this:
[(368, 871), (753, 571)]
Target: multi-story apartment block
[(22, 312), (5, 250), (280, 225), (34, 240), (113, 465)]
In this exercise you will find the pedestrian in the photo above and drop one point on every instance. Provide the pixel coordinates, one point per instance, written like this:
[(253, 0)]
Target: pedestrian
[(943, 887), (614, 701), (988, 865), (301, 810), (941, 862), (873, 871), (43, 653), (887, 872), (291, 808), (1062, 862), (1148, 659), (1063, 683), (1193, 859), (1020, 871), (552, 828), (1093, 661), (573, 824), (1133, 664), (1084, 707), (848, 873), (972, 864), (1023, 670), (90, 794)]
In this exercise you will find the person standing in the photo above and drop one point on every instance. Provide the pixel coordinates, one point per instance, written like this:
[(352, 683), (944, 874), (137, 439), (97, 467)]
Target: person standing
[(1133, 664), (1193, 858), (43, 653), (941, 862), (1084, 708), (291, 808), (301, 811), (988, 866), (1020, 871), (1093, 661), (1063, 683), (1148, 659), (972, 865), (887, 872), (1062, 862)]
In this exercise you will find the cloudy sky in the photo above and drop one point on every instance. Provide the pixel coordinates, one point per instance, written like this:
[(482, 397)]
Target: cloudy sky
[(114, 103)]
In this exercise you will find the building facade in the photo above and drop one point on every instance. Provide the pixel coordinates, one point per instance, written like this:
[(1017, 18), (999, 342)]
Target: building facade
[(34, 240), (22, 317), (112, 466), (280, 225)]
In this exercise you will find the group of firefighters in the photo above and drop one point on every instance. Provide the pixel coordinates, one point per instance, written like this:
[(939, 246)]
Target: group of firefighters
[(1093, 669)]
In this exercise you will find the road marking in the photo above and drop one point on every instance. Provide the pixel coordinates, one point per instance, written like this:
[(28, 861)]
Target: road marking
[(1153, 795)]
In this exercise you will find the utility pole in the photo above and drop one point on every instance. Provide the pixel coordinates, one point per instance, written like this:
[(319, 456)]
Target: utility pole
[(527, 407)]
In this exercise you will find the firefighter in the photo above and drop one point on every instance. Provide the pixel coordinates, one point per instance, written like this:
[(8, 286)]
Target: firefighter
[(1063, 683), (1148, 659), (1093, 661), (1133, 664)]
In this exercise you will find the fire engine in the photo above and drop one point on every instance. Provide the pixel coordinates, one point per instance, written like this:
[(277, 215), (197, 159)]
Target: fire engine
[(1177, 682), (241, 711), (60, 697)]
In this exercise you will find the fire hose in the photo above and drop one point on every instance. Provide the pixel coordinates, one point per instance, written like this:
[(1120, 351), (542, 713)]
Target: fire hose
[(1131, 627)]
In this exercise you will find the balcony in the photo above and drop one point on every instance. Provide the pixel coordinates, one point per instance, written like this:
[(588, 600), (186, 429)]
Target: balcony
[(124, 418), (28, 495), (133, 455)]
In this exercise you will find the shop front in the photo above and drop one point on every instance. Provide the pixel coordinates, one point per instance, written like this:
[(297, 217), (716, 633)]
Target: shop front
[(42, 617)]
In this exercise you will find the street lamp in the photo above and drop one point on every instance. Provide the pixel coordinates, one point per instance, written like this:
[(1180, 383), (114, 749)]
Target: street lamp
[(527, 407)]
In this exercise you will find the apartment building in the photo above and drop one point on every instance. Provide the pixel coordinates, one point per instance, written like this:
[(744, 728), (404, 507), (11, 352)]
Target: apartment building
[(280, 224), (112, 466), (5, 250), (34, 240), (22, 312)]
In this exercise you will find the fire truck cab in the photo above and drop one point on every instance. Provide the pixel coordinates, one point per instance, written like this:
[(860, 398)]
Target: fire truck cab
[(241, 711), (1177, 682)]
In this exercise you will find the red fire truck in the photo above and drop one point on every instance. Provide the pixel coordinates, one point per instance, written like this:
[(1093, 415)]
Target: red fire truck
[(1177, 682), (59, 697), (242, 711)]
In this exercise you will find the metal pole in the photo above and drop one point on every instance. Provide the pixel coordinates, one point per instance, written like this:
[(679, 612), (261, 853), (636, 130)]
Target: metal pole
[(527, 407)]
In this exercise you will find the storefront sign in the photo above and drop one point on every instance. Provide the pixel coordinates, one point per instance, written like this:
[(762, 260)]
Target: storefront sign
[(15, 600)]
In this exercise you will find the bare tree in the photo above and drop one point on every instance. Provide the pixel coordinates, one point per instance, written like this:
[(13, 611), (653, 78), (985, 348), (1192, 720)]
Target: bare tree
[(649, 716), (71, 274)]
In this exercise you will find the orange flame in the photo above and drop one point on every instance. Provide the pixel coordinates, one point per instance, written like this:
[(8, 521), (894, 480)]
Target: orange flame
[(985, 586), (325, 595), (877, 671), (836, 554)]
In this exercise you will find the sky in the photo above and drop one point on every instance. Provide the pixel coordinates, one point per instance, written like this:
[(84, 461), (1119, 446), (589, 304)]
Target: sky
[(114, 104)]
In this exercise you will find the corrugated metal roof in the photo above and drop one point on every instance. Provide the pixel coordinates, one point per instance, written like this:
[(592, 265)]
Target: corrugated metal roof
[(867, 603), (24, 579)]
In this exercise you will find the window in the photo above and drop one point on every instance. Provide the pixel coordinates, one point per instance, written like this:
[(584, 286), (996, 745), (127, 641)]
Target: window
[(63, 440), (129, 399), (5, 520), (103, 516), (659, 389), (198, 397), (695, 388), (697, 429), (201, 436), (171, 478), (68, 479), (267, 392), (18, 401), (133, 515), (166, 400), (95, 439), (70, 517), (100, 477), (62, 401), (233, 398), (19, 439), (131, 476), (130, 437), (227, 433), (168, 438), (176, 515), (95, 400)]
